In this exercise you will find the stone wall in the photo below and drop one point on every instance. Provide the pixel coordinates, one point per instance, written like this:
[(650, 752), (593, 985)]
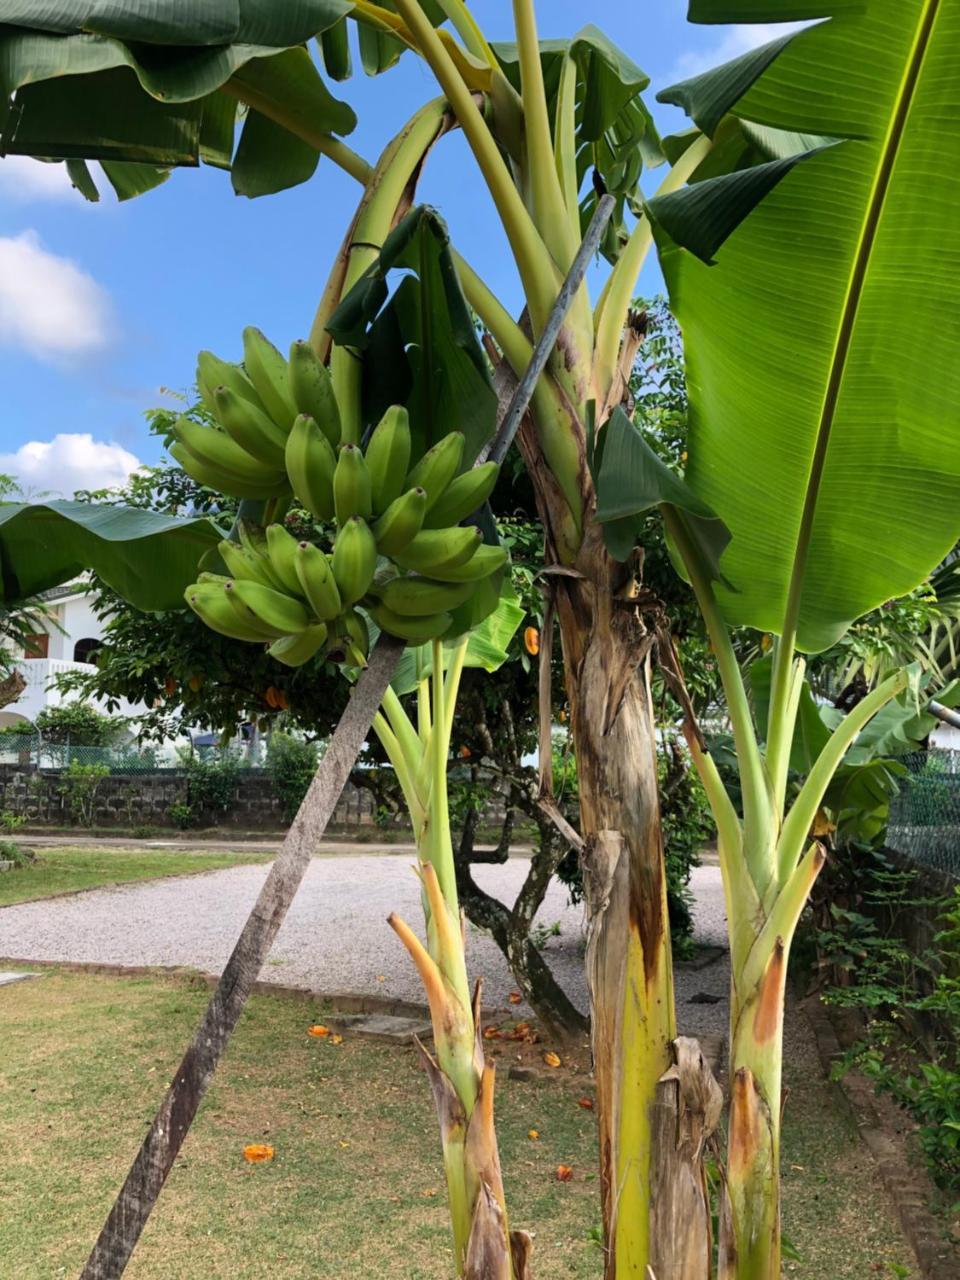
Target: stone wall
[(145, 799)]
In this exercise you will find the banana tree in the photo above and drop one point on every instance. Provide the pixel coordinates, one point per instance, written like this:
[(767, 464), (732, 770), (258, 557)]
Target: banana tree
[(538, 119), (825, 447)]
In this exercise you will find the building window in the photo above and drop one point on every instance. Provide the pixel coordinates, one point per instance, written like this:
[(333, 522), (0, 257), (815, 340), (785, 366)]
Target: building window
[(37, 646), (86, 650)]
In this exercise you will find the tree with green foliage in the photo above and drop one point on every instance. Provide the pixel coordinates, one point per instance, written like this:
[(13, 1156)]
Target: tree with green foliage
[(819, 482)]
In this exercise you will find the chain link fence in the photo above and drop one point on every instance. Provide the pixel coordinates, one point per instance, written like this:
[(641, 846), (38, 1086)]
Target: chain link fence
[(33, 752), (925, 816)]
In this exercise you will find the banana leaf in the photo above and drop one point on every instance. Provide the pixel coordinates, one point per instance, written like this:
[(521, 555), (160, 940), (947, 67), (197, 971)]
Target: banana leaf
[(150, 559), (141, 84), (487, 649), (822, 348), (421, 346)]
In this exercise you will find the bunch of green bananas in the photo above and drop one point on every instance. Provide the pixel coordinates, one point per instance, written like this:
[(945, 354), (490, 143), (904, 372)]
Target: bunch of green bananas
[(399, 554)]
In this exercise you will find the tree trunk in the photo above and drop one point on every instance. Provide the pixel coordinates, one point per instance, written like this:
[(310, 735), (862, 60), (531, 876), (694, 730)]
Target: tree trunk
[(655, 1208)]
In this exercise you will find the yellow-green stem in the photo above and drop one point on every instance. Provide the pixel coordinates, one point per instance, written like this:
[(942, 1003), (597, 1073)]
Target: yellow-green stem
[(538, 272), (613, 305)]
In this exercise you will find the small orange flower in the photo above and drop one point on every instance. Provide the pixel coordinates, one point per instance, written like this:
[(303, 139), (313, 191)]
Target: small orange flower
[(515, 997), (564, 1172), (533, 1135), (319, 1030), (257, 1152), (551, 1059), (585, 1103), (531, 641)]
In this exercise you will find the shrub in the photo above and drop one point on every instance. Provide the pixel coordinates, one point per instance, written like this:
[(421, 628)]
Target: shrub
[(10, 851), (292, 762), (10, 822), (211, 784), (182, 815), (77, 724), (79, 786)]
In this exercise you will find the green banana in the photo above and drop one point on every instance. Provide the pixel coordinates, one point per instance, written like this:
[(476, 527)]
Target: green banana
[(388, 457), (434, 552), (273, 608), (416, 630), (482, 564), (249, 427), (267, 370), (419, 597), (247, 616), (437, 467), (205, 578), (312, 390), (212, 477), (247, 564), (212, 372), (209, 602), (316, 581), (216, 451), (351, 485), (295, 650), (351, 643), (282, 549), (401, 522), (311, 464), (463, 496), (354, 559)]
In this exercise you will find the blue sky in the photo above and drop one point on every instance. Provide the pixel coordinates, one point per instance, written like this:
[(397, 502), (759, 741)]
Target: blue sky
[(102, 306)]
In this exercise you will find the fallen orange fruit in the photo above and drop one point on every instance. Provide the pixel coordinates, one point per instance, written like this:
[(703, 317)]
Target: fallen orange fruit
[(531, 641), (533, 1135), (336, 1039), (257, 1152), (318, 1030), (586, 1103), (564, 1173), (515, 997), (492, 1033), (551, 1059)]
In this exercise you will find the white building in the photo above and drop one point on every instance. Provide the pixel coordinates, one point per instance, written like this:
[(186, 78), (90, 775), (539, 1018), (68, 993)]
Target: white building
[(69, 643)]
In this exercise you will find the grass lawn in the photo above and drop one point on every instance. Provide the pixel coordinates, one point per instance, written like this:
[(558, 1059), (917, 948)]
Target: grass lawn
[(69, 869), (356, 1187)]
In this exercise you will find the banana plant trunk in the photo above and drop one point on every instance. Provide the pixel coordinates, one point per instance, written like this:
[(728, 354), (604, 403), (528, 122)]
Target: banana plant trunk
[(750, 1210), (657, 1100)]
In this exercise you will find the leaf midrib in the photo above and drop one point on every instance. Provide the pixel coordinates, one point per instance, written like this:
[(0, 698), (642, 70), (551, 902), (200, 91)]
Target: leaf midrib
[(884, 173)]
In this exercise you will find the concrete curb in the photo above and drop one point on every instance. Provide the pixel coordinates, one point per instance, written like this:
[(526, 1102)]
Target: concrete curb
[(907, 1188)]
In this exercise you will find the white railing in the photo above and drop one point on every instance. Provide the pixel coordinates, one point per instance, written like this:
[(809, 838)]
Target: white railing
[(40, 673)]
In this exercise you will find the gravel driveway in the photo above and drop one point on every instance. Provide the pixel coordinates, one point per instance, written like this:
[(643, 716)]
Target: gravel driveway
[(335, 936)]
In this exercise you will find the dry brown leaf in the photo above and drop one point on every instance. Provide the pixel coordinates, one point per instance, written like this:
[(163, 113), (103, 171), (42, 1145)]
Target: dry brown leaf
[(515, 997), (336, 1039), (585, 1103)]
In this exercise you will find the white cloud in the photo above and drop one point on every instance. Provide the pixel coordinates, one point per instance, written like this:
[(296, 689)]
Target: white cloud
[(735, 41), (68, 462), (23, 180), (48, 305)]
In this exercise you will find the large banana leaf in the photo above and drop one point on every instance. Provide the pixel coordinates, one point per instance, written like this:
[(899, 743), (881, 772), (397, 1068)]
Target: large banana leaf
[(823, 348), (148, 558), (137, 83)]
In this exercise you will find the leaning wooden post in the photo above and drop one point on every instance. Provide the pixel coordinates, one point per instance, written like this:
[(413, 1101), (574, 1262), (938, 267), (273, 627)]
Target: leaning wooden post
[(143, 1184)]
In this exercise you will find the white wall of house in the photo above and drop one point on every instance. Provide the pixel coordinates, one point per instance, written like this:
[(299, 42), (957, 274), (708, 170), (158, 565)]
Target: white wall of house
[(73, 622)]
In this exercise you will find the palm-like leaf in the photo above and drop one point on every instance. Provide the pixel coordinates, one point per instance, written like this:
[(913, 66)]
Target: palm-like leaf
[(150, 559), (824, 428)]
